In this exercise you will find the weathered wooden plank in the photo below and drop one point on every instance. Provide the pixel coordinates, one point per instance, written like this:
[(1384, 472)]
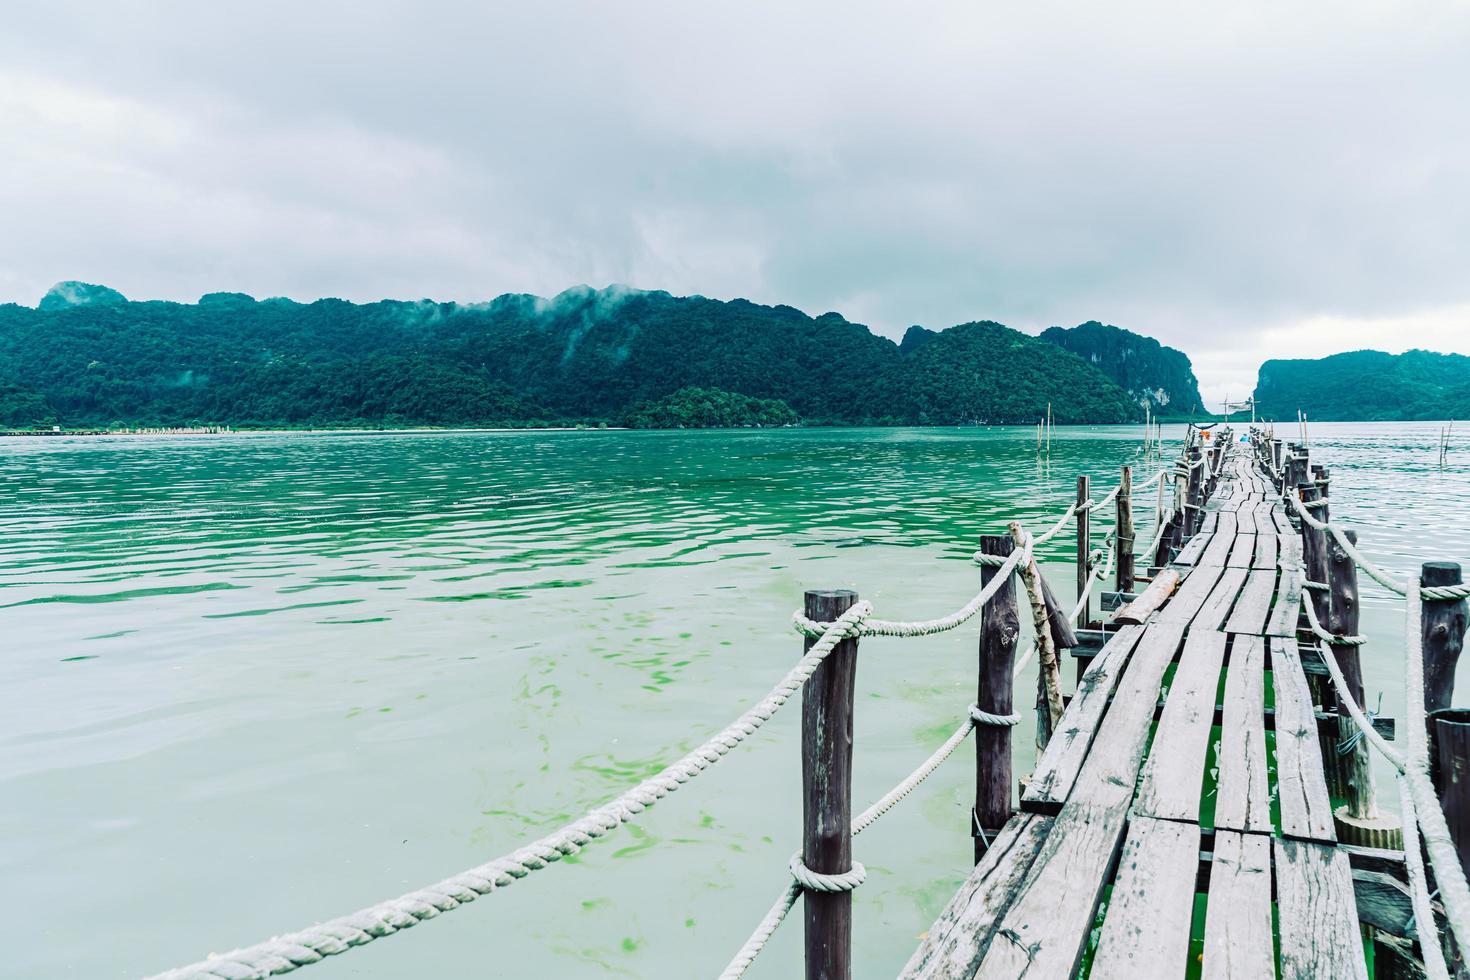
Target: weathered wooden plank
[(1146, 930), (1254, 605), (1288, 604), (1238, 944), (1218, 551), (1301, 786), (1289, 550), (1191, 552), (1268, 545), (1046, 927), (957, 941), (1245, 519), (1318, 914), (1222, 597), (1057, 769), (1191, 595), (1242, 552), (1243, 793), (1175, 769), (1283, 523), (1150, 599)]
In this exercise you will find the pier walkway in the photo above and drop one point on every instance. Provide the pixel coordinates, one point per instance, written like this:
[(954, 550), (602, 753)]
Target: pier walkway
[(1158, 814)]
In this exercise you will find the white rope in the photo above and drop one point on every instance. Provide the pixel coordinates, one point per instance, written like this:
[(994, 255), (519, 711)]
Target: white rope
[(783, 904), (980, 717), (283, 954), (815, 881), (926, 627), (1447, 593), (1424, 927), (1413, 766)]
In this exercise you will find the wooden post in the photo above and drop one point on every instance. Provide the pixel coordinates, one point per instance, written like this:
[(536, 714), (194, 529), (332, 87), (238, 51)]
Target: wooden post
[(1276, 458), (1124, 543), (1192, 514), (1443, 630), (826, 780), (1000, 628), (1084, 546), (1444, 635), (1314, 550)]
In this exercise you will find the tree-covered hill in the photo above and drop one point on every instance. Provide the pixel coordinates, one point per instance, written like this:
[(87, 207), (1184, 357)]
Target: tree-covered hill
[(1366, 385), (1152, 374), (89, 358)]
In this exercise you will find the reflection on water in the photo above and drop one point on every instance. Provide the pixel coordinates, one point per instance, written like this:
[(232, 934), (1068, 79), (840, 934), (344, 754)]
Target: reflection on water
[(251, 682)]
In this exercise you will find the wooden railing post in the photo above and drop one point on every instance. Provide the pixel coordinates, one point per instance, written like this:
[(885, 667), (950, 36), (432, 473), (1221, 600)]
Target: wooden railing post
[(826, 781), (1314, 549), (1084, 546), (1000, 628), (1124, 535), (1443, 631), (1358, 820), (1192, 494)]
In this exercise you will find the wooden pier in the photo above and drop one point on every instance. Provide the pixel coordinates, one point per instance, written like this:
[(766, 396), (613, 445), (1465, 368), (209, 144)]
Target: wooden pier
[(1203, 805), (1179, 822)]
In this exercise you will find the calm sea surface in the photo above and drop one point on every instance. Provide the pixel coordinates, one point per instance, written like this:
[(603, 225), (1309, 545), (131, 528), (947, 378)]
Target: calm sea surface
[(252, 682)]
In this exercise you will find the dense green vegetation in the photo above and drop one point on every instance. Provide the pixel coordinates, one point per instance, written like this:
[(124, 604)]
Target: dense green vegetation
[(1152, 374), (90, 358), (1367, 385), (708, 408)]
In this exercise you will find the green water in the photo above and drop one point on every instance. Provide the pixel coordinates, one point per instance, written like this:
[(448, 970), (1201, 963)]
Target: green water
[(251, 682)]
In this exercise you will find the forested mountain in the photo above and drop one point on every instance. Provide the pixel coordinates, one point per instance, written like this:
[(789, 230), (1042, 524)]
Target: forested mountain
[(88, 357), (1366, 385), (1152, 374)]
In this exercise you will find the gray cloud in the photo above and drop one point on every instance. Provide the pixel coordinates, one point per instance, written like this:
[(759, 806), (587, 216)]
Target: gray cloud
[(1225, 180)]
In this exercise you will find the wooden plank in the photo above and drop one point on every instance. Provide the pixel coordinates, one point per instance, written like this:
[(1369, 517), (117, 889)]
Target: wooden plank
[(1243, 793), (1238, 944), (1221, 598), (1245, 519), (1057, 769), (1190, 553), (1283, 523), (1146, 930), (1254, 605), (1045, 929), (1288, 607), (1219, 547), (957, 941), (1242, 551), (1175, 769), (1267, 550), (1191, 595), (1150, 599), (1318, 914), (1301, 786), (1289, 550)]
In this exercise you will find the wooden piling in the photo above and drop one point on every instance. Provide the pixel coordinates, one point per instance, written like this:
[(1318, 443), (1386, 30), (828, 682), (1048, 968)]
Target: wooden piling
[(1084, 546), (1358, 820), (1000, 628), (826, 777), (1314, 549), (1123, 581), (1192, 501), (1444, 635)]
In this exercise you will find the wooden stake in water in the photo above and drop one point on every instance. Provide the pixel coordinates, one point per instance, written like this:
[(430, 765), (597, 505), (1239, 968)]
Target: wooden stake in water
[(826, 780)]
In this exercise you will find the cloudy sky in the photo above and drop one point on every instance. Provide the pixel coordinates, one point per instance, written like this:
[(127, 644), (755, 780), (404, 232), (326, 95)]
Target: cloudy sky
[(1239, 180)]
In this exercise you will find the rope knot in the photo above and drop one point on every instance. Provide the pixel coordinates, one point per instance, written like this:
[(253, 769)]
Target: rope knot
[(997, 721), (814, 881)]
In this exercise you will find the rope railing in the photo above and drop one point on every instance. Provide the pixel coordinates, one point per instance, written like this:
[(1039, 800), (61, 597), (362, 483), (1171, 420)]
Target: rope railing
[(288, 952), (1412, 768)]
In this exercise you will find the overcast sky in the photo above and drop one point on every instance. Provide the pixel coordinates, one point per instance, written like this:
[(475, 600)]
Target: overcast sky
[(1241, 181)]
